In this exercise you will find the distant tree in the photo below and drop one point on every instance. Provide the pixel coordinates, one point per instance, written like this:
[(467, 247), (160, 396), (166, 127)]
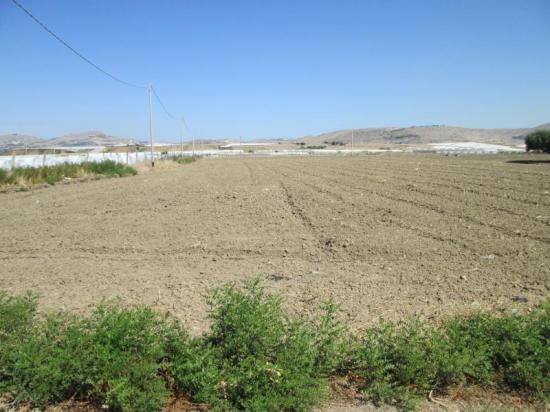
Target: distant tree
[(538, 140)]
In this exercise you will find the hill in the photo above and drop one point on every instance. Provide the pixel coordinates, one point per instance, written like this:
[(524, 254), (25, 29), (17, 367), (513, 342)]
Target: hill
[(422, 135), (18, 140), (382, 135), (82, 139), (89, 138)]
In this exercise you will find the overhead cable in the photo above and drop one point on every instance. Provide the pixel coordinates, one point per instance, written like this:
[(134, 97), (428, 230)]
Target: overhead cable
[(64, 43), (163, 106), (170, 115)]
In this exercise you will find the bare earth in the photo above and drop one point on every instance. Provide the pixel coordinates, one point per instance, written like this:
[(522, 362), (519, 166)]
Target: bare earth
[(384, 236)]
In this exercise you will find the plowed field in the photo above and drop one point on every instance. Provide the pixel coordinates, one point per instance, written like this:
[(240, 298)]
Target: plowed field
[(384, 236)]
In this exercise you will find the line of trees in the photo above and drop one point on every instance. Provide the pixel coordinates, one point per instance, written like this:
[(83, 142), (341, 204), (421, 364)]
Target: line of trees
[(538, 140)]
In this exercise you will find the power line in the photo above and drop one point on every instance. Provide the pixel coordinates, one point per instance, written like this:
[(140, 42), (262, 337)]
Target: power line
[(149, 87), (170, 115), (164, 107), (182, 120), (184, 123), (59, 39)]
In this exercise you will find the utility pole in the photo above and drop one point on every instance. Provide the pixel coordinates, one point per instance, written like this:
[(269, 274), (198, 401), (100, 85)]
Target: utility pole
[(149, 87), (182, 137), (352, 136)]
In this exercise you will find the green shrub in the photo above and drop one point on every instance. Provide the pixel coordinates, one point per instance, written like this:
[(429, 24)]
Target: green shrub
[(255, 358), (109, 168), (538, 140), (4, 177), (56, 173), (399, 364), (513, 351), (47, 174), (16, 313), (182, 160), (116, 357)]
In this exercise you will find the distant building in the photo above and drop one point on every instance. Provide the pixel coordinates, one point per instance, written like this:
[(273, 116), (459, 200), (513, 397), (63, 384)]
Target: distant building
[(247, 145)]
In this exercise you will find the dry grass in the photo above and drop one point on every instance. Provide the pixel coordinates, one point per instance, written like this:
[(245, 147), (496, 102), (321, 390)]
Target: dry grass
[(25, 177)]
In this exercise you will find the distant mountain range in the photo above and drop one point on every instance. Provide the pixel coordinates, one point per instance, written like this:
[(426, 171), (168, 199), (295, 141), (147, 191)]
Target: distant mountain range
[(90, 138), (422, 135), (18, 140), (384, 135)]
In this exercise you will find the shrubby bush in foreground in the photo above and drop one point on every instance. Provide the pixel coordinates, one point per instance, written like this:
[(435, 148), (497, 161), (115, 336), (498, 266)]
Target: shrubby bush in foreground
[(255, 357), (399, 364), (116, 356)]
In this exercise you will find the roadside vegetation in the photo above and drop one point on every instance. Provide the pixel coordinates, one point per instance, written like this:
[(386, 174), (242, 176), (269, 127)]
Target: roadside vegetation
[(538, 140), (183, 160), (257, 358), (303, 146), (334, 142), (29, 176)]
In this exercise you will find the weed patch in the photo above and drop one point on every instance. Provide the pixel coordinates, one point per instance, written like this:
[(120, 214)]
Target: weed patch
[(28, 176), (183, 160), (108, 168)]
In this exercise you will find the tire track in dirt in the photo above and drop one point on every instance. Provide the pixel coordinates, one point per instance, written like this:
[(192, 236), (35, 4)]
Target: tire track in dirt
[(283, 181), (405, 175), (501, 168), (297, 211), (508, 175), (489, 209), (388, 221), (444, 168), (429, 207), (322, 243), (252, 176), (445, 213), (413, 183)]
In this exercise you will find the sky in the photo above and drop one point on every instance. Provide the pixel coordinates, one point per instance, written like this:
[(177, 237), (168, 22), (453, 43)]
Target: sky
[(273, 69)]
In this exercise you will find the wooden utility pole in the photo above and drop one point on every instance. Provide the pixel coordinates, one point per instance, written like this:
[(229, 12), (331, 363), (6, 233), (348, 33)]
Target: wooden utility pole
[(149, 89), (182, 138)]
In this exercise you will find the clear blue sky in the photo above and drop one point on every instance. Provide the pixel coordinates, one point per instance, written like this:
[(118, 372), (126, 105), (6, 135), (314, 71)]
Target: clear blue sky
[(281, 68)]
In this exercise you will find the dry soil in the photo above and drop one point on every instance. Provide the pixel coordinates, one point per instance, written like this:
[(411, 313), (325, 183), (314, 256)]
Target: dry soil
[(384, 236)]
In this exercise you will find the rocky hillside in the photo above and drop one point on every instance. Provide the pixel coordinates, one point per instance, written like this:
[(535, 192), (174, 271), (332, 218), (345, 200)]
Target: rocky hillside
[(90, 138), (16, 140), (423, 135)]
